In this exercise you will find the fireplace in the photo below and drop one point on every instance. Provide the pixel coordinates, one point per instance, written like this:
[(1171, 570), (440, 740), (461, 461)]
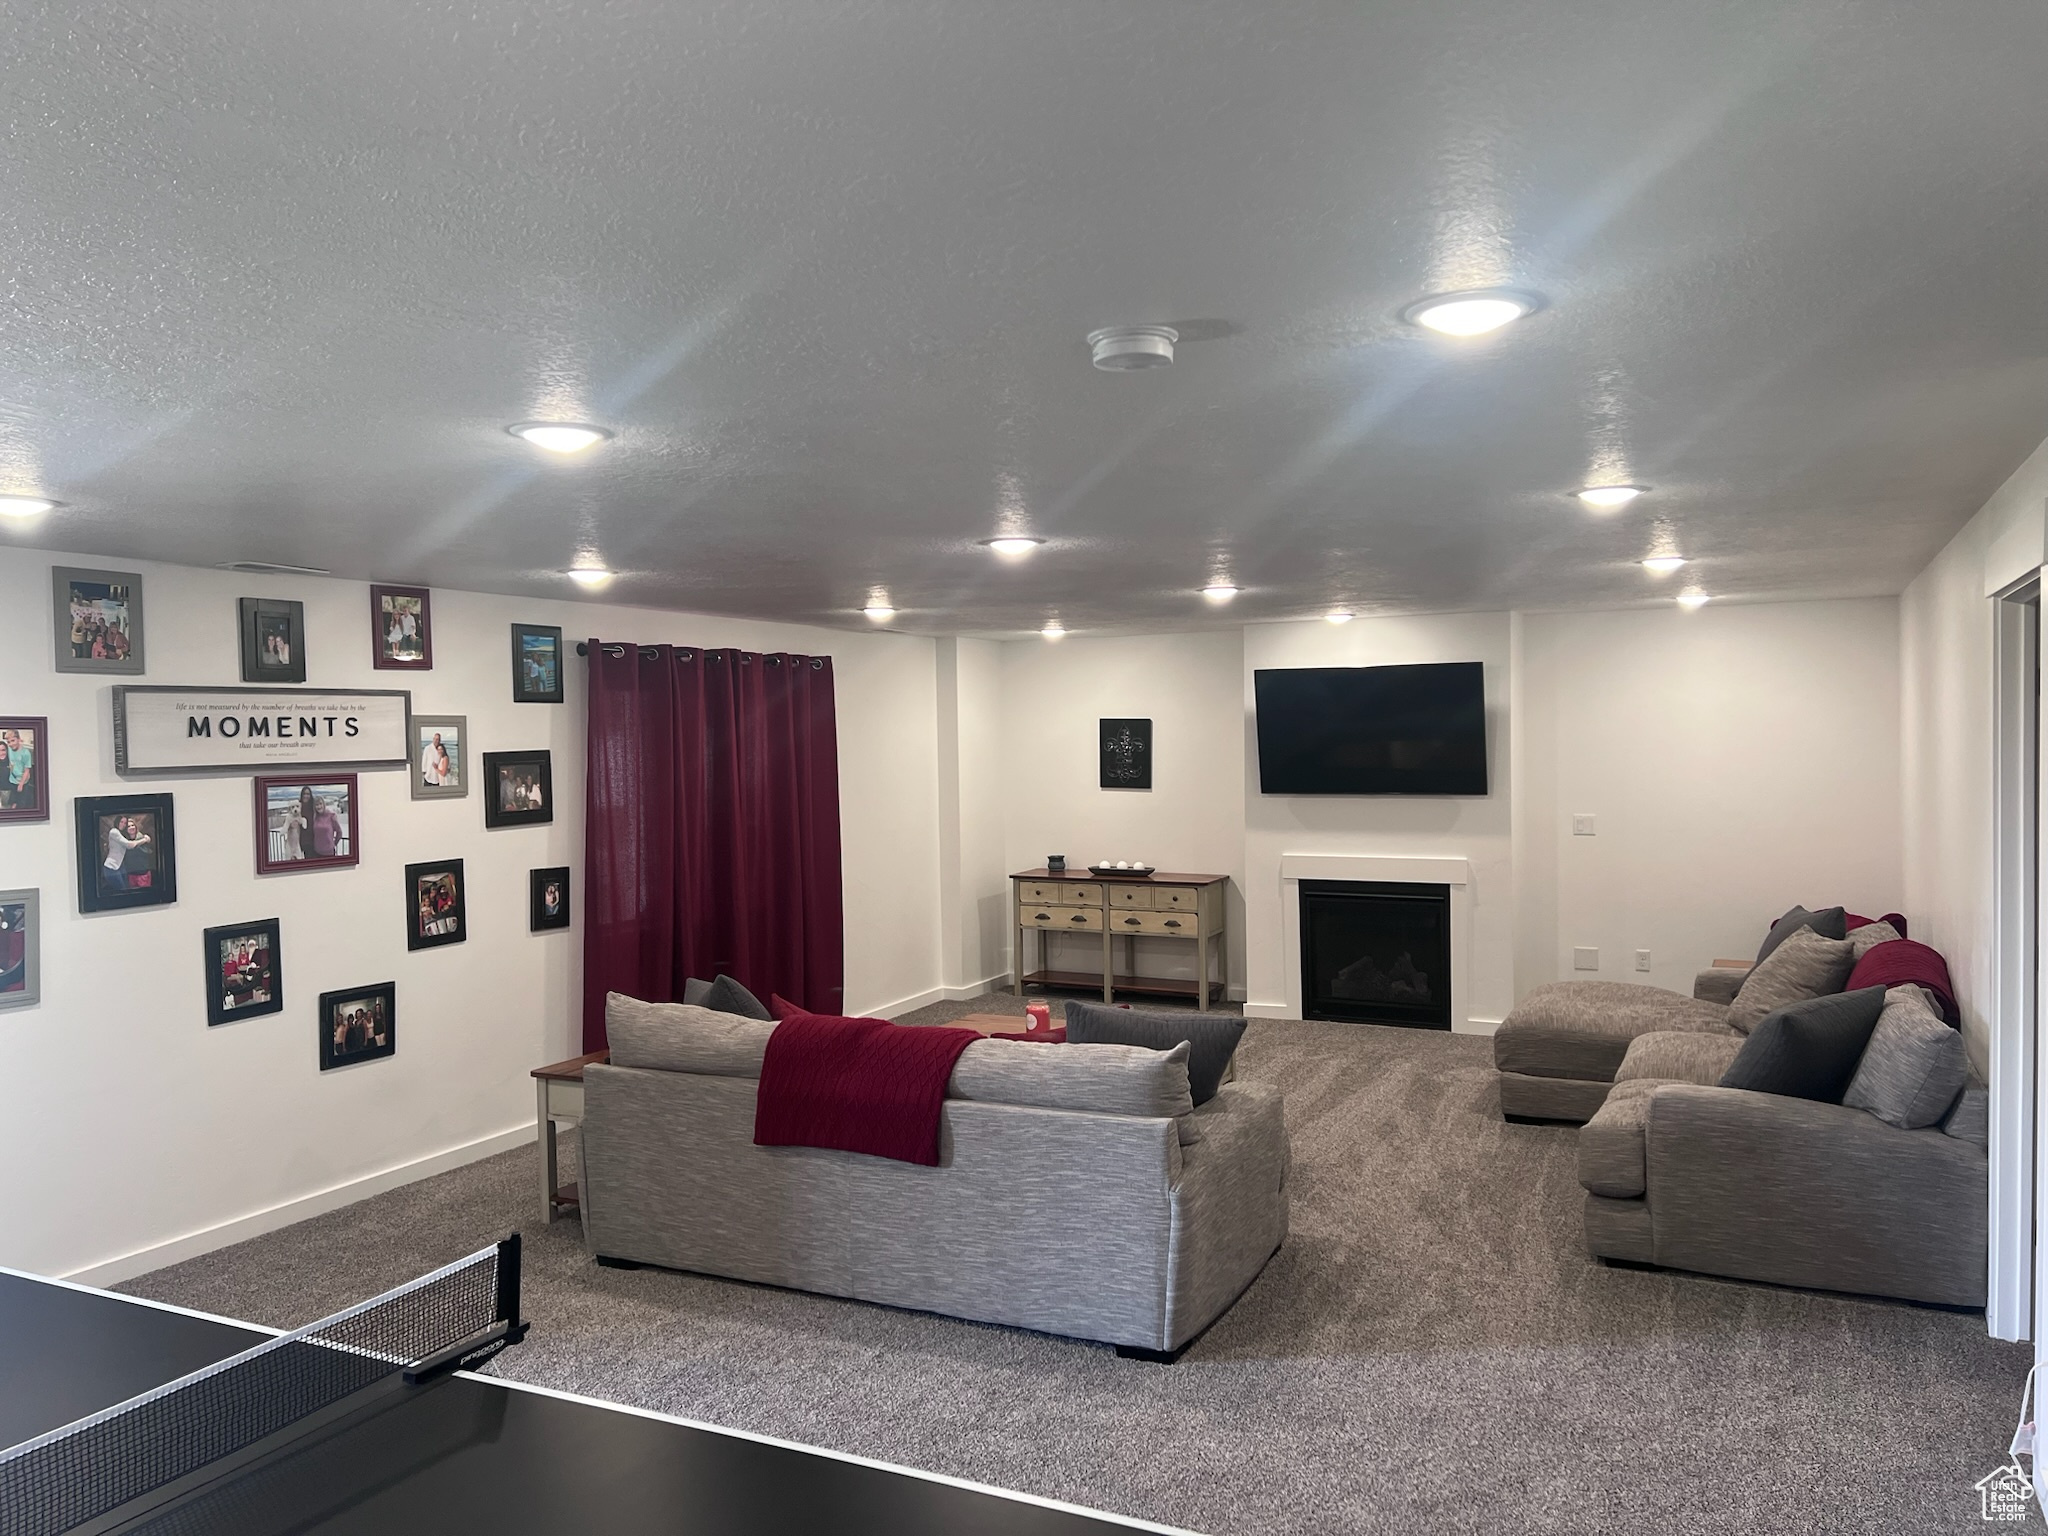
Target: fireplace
[(1376, 952)]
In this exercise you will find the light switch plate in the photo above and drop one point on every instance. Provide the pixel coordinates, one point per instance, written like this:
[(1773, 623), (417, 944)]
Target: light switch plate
[(1585, 958), (1582, 824), (1642, 959)]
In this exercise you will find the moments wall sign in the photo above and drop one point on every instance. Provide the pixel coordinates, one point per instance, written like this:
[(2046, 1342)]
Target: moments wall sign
[(180, 730)]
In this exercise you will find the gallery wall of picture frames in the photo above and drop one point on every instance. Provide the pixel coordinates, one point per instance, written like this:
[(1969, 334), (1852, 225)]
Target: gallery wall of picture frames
[(306, 820)]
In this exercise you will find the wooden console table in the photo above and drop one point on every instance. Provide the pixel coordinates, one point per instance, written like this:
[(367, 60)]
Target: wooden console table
[(1154, 906)]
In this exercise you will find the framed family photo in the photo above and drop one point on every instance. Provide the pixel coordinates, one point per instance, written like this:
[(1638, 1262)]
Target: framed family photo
[(358, 1024), (273, 640), (548, 899), (21, 946), (244, 974), (98, 620), (536, 664), (440, 757), (306, 822), (434, 911), (24, 768), (519, 789), (127, 852), (401, 629)]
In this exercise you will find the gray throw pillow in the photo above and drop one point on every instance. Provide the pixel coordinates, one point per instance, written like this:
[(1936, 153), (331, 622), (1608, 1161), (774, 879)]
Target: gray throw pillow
[(1810, 1049), (1863, 940), (1212, 1037), (1829, 923), (695, 991), (728, 996), (1804, 965), (1913, 1067)]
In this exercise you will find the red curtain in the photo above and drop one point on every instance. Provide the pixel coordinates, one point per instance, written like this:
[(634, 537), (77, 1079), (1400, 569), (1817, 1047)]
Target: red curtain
[(711, 832)]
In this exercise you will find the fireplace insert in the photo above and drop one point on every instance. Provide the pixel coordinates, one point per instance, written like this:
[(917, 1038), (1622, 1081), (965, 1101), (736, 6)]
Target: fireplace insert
[(1376, 952)]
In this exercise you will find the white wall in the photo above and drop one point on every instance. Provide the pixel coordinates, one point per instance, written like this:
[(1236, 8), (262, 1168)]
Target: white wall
[(1735, 760), (1190, 688), (140, 1134), (973, 777), (1475, 828), (1948, 667)]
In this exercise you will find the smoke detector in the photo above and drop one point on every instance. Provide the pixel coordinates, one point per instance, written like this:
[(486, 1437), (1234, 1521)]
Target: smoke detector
[(1122, 348)]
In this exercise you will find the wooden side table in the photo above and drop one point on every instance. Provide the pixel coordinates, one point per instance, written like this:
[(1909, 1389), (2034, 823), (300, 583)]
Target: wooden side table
[(1160, 905), (558, 1096)]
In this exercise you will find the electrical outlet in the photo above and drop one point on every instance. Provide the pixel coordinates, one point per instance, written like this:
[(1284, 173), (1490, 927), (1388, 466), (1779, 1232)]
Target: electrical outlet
[(1582, 824), (1642, 959), (1585, 958)]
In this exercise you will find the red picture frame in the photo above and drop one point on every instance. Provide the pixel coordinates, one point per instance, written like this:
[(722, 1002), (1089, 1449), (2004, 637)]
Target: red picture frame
[(37, 729), (391, 648), (291, 834)]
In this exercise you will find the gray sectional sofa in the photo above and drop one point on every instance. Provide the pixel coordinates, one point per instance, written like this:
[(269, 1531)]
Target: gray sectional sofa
[(1757, 1186), (1557, 1051), (1683, 1173), (1078, 1191)]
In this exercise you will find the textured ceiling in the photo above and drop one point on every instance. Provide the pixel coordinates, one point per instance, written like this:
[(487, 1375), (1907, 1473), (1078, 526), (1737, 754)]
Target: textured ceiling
[(278, 275)]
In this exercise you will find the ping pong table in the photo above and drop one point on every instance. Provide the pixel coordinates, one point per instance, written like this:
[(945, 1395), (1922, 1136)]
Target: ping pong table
[(438, 1449)]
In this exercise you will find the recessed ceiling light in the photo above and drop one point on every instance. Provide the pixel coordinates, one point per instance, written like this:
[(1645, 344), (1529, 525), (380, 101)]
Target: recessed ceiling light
[(1053, 629), (1122, 348), (1219, 592), (1605, 496), (590, 576), (1471, 314), (1663, 565), (24, 506), (558, 436), (878, 611), (1339, 616), (1692, 599), (1013, 544)]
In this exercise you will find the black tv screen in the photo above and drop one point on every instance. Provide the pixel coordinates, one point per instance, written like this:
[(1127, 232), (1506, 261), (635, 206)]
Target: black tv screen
[(1417, 730)]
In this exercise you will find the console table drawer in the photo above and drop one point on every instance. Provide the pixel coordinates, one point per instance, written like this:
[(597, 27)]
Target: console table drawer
[(1177, 898), (1061, 919), (1176, 925), (1067, 893), (1131, 896)]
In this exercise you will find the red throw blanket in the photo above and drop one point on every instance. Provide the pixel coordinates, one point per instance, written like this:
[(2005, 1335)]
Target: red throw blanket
[(855, 1085), (1897, 963)]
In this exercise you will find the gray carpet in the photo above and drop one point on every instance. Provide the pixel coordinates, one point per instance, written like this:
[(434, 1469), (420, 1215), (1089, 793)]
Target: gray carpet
[(1432, 1351)]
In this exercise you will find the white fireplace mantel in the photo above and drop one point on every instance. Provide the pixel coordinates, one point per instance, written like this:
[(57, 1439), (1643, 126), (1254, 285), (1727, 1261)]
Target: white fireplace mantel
[(1456, 873)]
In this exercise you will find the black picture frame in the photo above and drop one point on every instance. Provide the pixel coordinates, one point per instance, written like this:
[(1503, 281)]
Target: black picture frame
[(270, 625), (244, 971), (24, 736), (1125, 747), (436, 906), (338, 1014), (536, 664), (542, 915), (510, 779), (101, 889), (21, 949)]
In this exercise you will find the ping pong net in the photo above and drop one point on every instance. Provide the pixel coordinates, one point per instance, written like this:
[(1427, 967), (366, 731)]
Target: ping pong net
[(231, 1413)]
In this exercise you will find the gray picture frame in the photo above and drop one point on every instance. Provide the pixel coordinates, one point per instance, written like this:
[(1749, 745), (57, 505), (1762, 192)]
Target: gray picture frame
[(63, 651), (30, 993), (423, 726)]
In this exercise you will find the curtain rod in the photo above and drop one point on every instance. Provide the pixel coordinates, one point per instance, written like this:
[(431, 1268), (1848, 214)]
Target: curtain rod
[(650, 652)]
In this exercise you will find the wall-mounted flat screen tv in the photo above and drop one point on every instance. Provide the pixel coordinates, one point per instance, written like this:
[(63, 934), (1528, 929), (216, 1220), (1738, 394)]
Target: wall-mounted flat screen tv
[(1416, 730)]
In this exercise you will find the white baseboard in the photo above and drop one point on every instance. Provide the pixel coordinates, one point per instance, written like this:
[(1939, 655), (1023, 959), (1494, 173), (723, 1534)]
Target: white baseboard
[(1282, 1011), (256, 1223)]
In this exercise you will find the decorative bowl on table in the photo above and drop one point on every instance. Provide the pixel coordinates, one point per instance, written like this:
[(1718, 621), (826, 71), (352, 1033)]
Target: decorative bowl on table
[(1121, 869)]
